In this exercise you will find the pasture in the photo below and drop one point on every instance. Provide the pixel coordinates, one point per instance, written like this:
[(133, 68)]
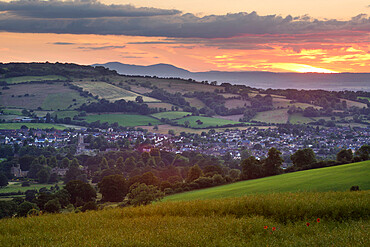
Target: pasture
[(206, 122), (32, 126), (110, 92), (171, 114), (235, 103), (125, 120), (167, 106), (64, 114), (336, 178), (20, 79), (17, 186), (298, 118), (274, 116)]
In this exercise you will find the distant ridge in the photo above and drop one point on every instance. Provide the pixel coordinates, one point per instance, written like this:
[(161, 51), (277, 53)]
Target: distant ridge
[(259, 79)]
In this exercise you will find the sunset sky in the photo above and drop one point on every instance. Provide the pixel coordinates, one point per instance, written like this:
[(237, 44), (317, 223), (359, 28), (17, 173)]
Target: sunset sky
[(198, 35)]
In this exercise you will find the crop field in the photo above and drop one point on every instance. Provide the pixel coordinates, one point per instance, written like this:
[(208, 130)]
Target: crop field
[(20, 79), (207, 122), (230, 117), (32, 125), (274, 116), (125, 120), (336, 178), (110, 92), (61, 101), (234, 103), (171, 114), (298, 118), (32, 96), (354, 103), (341, 219)]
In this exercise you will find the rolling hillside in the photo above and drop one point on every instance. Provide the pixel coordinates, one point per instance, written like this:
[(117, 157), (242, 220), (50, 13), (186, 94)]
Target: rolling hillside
[(337, 178)]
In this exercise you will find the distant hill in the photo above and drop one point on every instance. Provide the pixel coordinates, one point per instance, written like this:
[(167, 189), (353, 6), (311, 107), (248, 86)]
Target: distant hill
[(336, 178), (259, 79)]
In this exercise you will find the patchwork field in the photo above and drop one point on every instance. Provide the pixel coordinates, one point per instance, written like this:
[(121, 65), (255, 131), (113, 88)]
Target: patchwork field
[(32, 125), (167, 106), (274, 116), (164, 128), (125, 120), (354, 103), (207, 122), (31, 96), (341, 219), (231, 117), (17, 186), (64, 114), (110, 92), (171, 114), (194, 102), (234, 103), (20, 79), (337, 178)]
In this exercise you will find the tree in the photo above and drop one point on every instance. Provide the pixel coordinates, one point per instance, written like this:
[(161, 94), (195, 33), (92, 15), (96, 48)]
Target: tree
[(194, 173), (52, 206), (25, 207), (139, 99), (363, 152), (3, 180), (142, 194), (113, 188), (79, 189), (251, 168), (304, 157), (245, 154), (72, 174), (273, 162), (65, 163), (345, 156), (104, 164), (43, 176)]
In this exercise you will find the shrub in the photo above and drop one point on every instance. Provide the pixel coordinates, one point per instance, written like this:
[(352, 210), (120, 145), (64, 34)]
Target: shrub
[(26, 184), (355, 188), (52, 206), (89, 206)]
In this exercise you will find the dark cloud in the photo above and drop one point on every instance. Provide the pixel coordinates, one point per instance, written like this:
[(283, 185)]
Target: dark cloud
[(109, 47), (63, 43), (89, 17), (131, 57), (77, 9)]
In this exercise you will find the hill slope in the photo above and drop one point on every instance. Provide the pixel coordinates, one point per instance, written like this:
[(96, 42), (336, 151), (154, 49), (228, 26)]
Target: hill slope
[(337, 178)]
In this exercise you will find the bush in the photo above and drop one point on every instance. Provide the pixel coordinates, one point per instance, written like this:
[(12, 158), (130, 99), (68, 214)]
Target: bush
[(89, 206), (25, 207), (52, 206), (142, 194), (354, 188), (26, 184)]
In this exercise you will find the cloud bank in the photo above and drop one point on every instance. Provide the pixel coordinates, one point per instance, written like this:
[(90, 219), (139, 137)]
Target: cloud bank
[(91, 17)]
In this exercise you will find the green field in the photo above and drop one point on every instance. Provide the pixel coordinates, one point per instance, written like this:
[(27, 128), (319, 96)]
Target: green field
[(368, 98), (10, 111), (111, 92), (125, 120), (171, 114), (64, 114), (19, 79), (32, 125), (337, 178), (61, 101), (17, 186), (274, 116), (298, 118), (344, 221), (207, 122)]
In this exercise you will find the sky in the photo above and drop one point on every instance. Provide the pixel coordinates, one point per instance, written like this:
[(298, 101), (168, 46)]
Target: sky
[(198, 35)]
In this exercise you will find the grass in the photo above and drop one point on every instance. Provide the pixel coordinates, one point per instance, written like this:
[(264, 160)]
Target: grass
[(12, 111), (111, 92), (234, 103), (125, 120), (231, 222), (20, 79), (207, 122), (32, 125), (194, 102), (171, 115), (167, 106), (274, 116), (17, 186), (368, 98), (337, 178), (71, 100), (31, 96), (298, 118), (64, 114)]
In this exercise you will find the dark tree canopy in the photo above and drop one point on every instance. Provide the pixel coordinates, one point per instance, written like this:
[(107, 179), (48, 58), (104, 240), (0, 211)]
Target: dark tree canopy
[(113, 188), (79, 189), (303, 157)]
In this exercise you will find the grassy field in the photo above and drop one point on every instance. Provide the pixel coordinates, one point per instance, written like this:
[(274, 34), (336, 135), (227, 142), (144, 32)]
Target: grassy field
[(31, 96), (298, 118), (110, 92), (125, 120), (351, 103), (32, 125), (17, 186), (207, 122), (270, 220), (234, 103), (337, 178), (368, 98), (171, 114), (64, 114), (194, 102), (274, 116), (167, 106), (19, 79)]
